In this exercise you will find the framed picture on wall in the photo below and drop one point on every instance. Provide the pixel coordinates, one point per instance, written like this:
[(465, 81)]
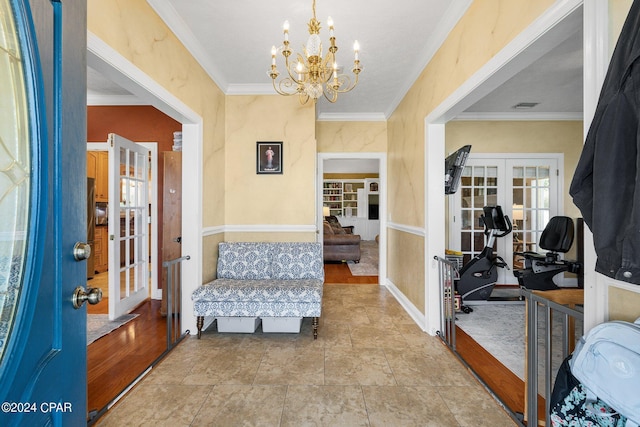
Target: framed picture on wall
[(269, 157)]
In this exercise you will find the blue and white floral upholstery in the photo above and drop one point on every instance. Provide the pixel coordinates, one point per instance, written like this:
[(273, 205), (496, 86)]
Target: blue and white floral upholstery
[(264, 279), (297, 261), (265, 297), (244, 261)]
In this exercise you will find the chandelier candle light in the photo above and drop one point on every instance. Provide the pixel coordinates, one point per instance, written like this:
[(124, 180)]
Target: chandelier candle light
[(313, 75)]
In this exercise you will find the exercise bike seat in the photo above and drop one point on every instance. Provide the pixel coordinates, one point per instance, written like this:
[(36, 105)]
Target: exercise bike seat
[(556, 238)]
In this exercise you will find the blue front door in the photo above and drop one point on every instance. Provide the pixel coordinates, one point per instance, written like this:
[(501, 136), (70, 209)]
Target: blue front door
[(43, 212)]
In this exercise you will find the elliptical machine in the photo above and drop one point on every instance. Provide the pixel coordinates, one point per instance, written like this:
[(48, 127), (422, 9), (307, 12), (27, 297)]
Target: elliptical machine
[(480, 274)]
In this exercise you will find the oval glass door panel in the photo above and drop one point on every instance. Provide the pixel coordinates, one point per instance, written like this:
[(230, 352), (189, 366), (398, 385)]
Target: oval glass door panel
[(15, 164)]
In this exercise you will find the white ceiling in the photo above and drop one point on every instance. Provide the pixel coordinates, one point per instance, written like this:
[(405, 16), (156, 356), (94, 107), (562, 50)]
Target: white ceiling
[(232, 40)]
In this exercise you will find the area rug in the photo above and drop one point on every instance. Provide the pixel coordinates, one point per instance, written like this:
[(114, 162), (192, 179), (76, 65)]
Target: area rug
[(99, 325), (499, 329), (368, 265)]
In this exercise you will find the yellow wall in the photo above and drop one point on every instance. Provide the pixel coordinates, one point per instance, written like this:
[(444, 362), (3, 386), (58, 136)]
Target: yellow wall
[(624, 304), (407, 274), (349, 137), (279, 199), (486, 27)]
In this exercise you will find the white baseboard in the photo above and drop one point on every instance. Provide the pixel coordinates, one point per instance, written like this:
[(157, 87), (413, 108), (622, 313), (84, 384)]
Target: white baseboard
[(408, 306)]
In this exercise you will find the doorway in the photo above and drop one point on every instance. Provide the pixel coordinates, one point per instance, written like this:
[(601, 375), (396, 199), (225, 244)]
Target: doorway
[(120, 71), (360, 200), (110, 63), (542, 36)]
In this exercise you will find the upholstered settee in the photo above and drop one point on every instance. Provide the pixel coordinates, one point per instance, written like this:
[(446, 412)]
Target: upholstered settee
[(263, 279), (340, 244)]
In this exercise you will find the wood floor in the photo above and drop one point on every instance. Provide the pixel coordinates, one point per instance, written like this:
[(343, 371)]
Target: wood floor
[(506, 385), (118, 358), (338, 272)]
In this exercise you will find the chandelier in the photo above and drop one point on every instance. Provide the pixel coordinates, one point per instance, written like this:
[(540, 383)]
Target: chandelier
[(313, 75)]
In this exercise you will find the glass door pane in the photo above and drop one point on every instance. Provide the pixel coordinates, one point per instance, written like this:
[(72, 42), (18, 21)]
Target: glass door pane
[(478, 188), (15, 179), (531, 209), (130, 250)]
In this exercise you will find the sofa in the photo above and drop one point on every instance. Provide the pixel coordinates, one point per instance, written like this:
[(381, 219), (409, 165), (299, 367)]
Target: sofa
[(340, 244), (266, 280)]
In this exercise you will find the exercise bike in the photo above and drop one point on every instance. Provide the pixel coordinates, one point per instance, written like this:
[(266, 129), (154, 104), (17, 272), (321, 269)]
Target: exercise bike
[(540, 269), (480, 274)]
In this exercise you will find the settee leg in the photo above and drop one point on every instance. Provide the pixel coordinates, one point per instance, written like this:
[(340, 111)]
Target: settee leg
[(200, 324), (315, 328)]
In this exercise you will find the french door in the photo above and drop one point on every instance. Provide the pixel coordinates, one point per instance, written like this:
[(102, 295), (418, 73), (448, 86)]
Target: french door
[(526, 187), (128, 225)]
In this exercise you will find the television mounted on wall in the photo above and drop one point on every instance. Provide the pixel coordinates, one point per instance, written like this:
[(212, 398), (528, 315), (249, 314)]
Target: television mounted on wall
[(453, 167)]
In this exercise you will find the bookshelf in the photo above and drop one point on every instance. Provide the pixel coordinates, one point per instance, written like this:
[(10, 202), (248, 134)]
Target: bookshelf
[(341, 196)]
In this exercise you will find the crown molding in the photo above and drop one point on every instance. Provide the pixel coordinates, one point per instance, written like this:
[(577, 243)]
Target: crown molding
[(250, 89), (455, 12), (352, 117), (519, 116), (267, 89), (97, 100), (181, 30)]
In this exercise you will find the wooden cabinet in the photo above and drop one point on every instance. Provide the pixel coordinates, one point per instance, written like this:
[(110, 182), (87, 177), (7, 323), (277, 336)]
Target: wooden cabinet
[(102, 177), (98, 168), (101, 248), (92, 164)]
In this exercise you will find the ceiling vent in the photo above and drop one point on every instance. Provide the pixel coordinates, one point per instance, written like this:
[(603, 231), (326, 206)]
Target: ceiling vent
[(525, 105)]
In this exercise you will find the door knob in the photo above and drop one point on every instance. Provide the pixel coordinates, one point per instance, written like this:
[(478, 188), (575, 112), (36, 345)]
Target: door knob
[(81, 251), (91, 295)]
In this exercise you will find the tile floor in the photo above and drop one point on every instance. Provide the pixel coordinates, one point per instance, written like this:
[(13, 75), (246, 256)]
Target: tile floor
[(370, 366)]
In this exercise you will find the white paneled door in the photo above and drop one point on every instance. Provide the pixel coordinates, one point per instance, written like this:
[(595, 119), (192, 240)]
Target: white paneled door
[(128, 225)]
